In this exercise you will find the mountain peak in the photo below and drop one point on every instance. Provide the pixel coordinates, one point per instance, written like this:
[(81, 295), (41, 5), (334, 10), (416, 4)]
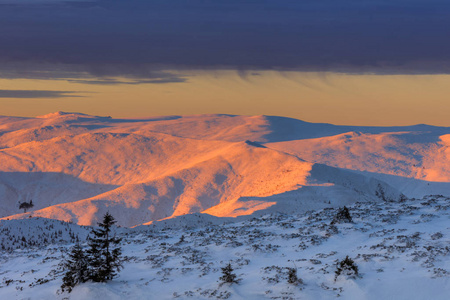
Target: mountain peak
[(64, 114)]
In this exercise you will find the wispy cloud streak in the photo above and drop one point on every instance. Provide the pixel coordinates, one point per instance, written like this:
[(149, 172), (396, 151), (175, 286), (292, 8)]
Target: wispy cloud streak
[(37, 94)]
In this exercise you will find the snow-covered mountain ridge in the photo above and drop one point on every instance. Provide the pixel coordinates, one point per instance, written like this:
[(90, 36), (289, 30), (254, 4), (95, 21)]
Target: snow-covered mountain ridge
[(75, 167)]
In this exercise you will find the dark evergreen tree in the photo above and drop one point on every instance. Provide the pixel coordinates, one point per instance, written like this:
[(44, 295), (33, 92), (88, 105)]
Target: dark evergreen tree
[(342, 216), (104, 252), (346, 267), (228, 275), (77, 268)]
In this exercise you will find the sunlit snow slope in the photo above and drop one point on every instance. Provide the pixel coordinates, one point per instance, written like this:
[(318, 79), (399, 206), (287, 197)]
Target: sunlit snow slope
[(75, 167)]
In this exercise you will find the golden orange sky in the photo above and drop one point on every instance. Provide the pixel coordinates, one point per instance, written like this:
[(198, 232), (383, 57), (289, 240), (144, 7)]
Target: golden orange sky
[(314, 97)]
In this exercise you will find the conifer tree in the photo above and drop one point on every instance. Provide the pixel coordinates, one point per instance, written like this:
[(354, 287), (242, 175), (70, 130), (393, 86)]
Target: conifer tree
[(342, 216), (104, 252), (77, 268), (228, 275)]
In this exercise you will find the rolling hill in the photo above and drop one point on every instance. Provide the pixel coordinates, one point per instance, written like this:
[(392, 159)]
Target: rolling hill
[(75, 167)]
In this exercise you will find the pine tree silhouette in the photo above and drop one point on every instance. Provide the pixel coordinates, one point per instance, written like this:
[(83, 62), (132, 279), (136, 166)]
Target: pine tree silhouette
[(77, 268), (342, 216), (104, 252), (228, 275)]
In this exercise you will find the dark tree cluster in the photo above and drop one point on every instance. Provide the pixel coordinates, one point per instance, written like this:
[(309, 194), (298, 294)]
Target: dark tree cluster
[(39, 235), (99, 263)]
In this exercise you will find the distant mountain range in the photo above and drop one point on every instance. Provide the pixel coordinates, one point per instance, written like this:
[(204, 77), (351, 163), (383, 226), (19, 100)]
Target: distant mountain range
[(75, 167)]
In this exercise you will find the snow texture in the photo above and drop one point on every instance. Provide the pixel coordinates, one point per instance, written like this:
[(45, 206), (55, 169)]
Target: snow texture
[(400, 248)]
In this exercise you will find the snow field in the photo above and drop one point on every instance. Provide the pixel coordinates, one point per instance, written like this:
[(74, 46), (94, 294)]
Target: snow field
[(402, 250)]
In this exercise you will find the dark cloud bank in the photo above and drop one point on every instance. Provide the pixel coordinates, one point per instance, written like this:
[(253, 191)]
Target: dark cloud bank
[(138, 38)]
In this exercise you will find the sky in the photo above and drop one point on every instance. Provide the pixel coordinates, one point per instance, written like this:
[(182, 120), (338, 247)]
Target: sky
[(355, 62)]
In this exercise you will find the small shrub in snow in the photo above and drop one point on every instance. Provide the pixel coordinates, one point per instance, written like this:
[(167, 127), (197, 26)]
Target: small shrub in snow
[(228, 275), (346, 267), (331, 230), (437, 236), (292, 276), (180, 241), (342, 216)]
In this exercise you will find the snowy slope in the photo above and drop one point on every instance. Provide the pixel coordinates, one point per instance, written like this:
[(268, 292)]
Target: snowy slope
[(401, 250), (415, 154), (75, 167)]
